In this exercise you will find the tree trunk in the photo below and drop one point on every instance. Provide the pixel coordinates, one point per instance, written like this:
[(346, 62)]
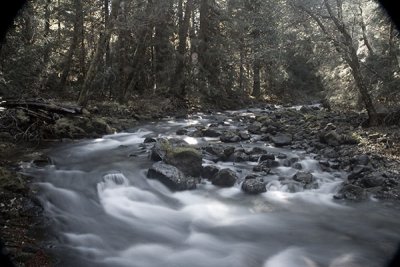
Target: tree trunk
[(106, 22), (122, 50), (140, 52), (46, 53), (74, 44), (256, 78), (208, 61), (363, 89), (100, 50), (344, 44), (364, 32), (178, 84), (162, 46)]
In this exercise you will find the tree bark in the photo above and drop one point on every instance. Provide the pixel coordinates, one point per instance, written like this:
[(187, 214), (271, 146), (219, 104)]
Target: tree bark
[(364, 32), (178, 83), (100, 50), (46, 53), (74, 43), (122, 49), (140, 52), (256, 78), (344, 45)]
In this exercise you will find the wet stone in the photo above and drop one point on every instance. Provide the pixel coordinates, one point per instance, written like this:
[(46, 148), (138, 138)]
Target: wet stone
[(240, 156), (149, 140), (209, 171), (254, 186), (159, 150), (211, 133), (182, 132), (244, 136), (265, 137), (305, 178), (229, 137), (255, 128), (171, 177), (258, 150), (372, 180), (265, 157), (351, 192), (297, 166), (186, 159), (265, 166), (280, 140), (225, 178), (281, 156)]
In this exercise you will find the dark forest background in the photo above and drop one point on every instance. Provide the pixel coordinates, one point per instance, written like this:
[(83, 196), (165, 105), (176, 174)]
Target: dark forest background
[(204, 51)]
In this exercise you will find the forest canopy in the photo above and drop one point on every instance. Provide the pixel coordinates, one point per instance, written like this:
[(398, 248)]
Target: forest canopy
[(203, 50)]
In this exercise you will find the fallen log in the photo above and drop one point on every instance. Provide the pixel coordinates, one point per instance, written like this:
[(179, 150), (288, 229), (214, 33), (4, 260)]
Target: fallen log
[(47, 106)]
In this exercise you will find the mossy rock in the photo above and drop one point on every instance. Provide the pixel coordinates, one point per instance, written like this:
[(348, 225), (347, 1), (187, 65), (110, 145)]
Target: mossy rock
[(186, 159)]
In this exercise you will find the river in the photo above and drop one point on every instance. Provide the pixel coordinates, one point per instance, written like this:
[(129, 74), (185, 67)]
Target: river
[(103, 211)]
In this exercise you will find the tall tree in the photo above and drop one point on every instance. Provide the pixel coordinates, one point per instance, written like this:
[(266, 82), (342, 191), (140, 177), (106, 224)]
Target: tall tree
[(178, 83), (76, 37), (338, 32), (100, 50)]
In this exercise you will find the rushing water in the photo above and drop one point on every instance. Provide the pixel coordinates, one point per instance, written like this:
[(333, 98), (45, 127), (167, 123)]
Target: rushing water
[(105, 212)]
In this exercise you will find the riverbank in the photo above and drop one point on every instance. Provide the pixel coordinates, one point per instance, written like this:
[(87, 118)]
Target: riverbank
[(370, 156)]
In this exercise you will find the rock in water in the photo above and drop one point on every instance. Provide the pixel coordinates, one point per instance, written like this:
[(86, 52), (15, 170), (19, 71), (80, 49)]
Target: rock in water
[(282, 140), (255, 128), (254, 186), (159, 150), (211, 133), (230, 137), (352, 192), (306, 179), (209, 172), (171, 177), (225, 178), (186, 159)]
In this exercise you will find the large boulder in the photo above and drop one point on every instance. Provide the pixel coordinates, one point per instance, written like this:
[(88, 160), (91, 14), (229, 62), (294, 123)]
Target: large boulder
[(225, 178), (186, 159), (171, 177), (280, 140)]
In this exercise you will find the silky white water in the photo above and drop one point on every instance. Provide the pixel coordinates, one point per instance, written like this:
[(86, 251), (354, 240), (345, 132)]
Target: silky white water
[(105, 212)]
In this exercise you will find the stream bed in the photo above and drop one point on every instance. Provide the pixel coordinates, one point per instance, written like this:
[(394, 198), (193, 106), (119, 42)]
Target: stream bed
[(104, 211)]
